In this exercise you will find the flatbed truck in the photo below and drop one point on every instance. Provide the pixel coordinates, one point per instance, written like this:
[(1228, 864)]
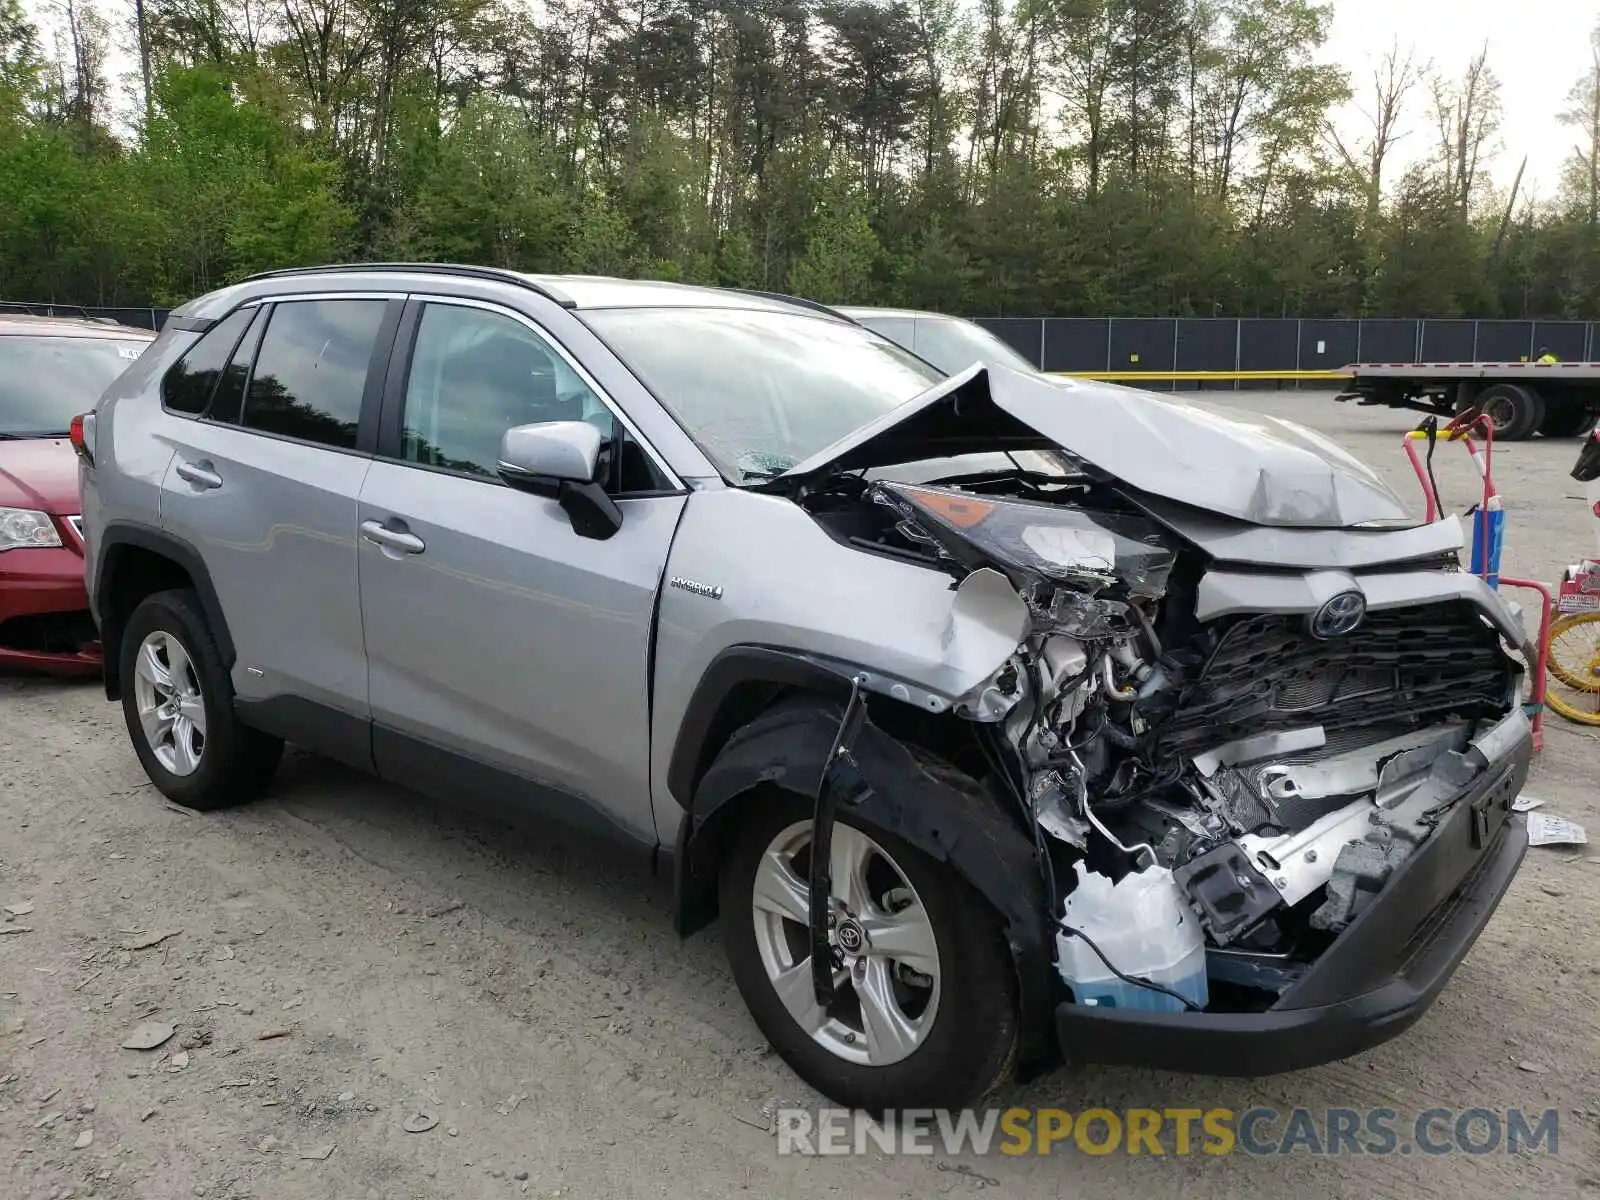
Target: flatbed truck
[(1556, 399)]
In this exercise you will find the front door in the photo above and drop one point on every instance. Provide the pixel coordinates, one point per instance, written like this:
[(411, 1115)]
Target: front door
[(508, 657)]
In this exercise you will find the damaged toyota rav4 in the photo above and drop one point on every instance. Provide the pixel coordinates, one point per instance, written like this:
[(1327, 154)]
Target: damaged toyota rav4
[(1002, 721)]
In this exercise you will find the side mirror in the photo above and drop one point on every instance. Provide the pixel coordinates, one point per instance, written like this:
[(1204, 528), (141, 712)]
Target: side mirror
[(558, 459)]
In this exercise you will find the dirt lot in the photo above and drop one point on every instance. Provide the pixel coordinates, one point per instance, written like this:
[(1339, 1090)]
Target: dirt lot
[(530, 993)]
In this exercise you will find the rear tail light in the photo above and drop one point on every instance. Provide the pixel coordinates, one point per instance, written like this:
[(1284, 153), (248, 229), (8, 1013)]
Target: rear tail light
[(81, 431)]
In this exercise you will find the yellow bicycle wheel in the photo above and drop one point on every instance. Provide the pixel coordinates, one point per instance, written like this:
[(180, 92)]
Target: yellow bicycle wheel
[(1575, 663)]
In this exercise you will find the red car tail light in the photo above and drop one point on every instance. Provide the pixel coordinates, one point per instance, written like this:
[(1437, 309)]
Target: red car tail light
[(81, 431)]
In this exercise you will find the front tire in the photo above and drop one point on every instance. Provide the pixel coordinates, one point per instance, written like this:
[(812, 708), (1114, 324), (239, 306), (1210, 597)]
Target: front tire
[(177, 701), (924, 1011)]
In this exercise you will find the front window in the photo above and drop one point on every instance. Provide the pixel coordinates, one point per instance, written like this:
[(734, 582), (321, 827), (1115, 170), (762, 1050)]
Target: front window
[(45, 381), (953, 345), (762, 391)]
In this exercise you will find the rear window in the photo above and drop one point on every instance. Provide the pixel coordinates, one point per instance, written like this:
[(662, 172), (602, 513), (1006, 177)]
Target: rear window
[(45, 381)]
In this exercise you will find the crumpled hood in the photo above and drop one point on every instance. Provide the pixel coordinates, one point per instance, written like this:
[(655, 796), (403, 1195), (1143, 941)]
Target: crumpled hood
[(1264, 470), (39, 473)]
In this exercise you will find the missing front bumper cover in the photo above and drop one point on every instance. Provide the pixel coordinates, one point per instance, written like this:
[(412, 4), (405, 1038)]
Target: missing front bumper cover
[(1379, 975)]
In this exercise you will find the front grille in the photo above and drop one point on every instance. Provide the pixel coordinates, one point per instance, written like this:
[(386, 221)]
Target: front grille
[(77, 526), (1403, 667)]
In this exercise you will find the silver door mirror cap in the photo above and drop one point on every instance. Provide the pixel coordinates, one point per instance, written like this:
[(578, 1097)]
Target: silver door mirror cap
[(551, 450)]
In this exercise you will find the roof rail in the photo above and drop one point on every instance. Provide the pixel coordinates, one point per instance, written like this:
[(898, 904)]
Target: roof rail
[(799, 301), (496, 274)]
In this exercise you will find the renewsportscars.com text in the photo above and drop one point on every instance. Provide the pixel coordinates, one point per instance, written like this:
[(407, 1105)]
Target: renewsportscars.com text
[(1170, 1131)]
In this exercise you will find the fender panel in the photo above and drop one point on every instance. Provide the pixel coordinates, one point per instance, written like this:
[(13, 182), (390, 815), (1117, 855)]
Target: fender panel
[(788, 746), (116, 540)]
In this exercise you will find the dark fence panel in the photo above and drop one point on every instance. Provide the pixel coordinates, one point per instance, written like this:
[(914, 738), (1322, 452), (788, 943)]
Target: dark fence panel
[(1388, 340), (1504, 341), (1565, 338), (1077, 344), (1143, 343), (1090, 345), (1327, 345), (1207, 344), (1269, 344), (1025, 335), (1447, 341)]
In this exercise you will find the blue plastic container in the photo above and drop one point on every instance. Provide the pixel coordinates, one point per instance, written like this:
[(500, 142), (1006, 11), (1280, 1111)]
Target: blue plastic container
[(1496, 519), (1144, 925)]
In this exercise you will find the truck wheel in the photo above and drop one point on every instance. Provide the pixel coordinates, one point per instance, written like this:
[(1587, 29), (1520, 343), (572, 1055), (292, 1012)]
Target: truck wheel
[(1514, 410), (1566, 418), (924, 1010), (178, 704)]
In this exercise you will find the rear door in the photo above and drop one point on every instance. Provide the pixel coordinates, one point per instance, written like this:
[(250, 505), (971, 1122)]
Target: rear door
[(509, 657), (265, 482)]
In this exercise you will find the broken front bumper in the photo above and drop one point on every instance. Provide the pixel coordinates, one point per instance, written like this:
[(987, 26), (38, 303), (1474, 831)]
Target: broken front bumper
[(1377, 978)]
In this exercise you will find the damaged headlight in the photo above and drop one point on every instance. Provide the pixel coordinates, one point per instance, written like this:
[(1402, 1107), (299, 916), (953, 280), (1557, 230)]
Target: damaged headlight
[(1034, 540)]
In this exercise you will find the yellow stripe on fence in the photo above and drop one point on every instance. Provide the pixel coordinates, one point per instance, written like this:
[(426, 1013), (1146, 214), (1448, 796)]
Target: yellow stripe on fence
[(1174, 376)]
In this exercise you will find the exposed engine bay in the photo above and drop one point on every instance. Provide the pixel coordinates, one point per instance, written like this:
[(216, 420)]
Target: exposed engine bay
[(1214, 801)]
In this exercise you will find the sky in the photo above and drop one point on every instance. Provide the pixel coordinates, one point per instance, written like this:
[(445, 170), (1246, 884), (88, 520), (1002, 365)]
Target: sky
[(1537, 48)]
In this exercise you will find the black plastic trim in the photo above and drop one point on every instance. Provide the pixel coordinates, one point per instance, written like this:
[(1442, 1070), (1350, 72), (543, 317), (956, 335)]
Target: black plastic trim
[(704, 719), (329, 731), (369, 425), (115, 538), (1371, 985), (189, 324), (415, 763), (391, 410)]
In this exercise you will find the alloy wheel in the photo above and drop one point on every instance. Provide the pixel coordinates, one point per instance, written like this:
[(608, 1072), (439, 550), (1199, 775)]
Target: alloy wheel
[(172, 709), (885, 958)]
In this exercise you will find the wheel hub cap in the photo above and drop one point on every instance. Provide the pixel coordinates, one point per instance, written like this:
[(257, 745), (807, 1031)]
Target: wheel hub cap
[(850, 937)]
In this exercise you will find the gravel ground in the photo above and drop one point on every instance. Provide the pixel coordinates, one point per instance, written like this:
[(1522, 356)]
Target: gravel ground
[(344, 954)]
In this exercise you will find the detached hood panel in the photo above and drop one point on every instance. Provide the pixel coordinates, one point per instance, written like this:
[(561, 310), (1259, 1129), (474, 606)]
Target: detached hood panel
[(1265, 470)]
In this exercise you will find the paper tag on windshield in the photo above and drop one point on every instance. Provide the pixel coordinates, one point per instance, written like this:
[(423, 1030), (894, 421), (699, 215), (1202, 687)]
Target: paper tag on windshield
[(1545, 830)]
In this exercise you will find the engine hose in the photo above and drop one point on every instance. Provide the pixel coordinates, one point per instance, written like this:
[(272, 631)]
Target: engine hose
[(1108, 683), (1149, 631)]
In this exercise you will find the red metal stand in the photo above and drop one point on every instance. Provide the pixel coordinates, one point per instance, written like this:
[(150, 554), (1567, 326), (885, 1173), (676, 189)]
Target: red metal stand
[(1460, 430)]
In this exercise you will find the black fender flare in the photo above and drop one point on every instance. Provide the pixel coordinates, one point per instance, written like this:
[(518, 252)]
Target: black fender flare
[(712, 713), (906, 795), (112, 559)]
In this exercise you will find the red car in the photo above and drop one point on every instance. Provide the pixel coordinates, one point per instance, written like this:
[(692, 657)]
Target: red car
[(51, 369)]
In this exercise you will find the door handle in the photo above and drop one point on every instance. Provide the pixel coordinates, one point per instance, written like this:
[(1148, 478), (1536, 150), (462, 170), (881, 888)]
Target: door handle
[(199, 474), (380, 534)]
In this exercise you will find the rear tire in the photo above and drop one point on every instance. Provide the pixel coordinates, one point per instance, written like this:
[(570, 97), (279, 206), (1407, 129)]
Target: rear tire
[(177, 701), (969, 1044), (1514, 410)]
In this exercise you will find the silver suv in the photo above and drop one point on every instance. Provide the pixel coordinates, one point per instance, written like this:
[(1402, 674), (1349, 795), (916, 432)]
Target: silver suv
[(1003, 720)]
